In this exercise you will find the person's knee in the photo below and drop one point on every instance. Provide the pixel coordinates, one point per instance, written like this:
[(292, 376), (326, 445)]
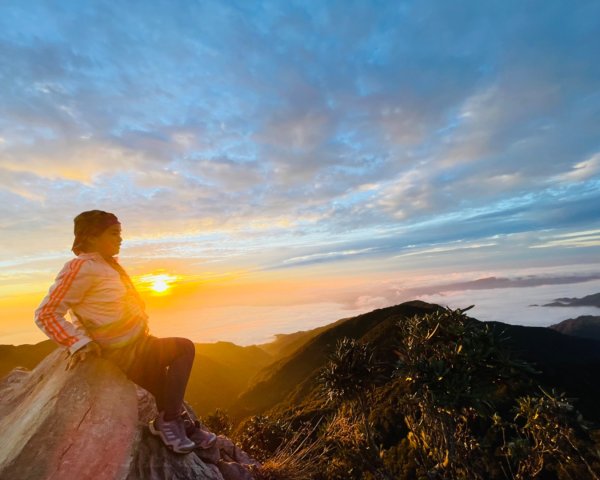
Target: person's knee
[(188, 348)]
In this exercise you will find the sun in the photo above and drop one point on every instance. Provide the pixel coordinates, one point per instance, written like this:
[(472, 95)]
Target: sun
[(157, 283)]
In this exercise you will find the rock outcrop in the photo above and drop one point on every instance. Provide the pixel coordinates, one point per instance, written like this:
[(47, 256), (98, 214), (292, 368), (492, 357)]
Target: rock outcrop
[(91, 423)]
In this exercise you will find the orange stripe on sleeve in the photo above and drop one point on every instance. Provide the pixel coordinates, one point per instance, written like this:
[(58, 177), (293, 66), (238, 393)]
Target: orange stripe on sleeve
[(75, 267), (57, 297), (47, 316)]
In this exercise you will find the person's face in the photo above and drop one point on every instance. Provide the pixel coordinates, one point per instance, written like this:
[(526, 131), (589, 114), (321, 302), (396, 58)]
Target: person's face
[(108, 243)]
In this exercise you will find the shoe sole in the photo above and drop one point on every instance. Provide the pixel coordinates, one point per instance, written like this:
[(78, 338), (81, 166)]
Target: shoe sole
[(158, 433)]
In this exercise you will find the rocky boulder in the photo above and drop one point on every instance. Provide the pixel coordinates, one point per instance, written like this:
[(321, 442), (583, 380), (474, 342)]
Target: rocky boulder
[(91, 422)]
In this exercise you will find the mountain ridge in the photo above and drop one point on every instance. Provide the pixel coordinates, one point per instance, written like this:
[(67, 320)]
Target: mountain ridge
[(586, 326), (289, 373), (587, 301), (253, 379), (565, 362)]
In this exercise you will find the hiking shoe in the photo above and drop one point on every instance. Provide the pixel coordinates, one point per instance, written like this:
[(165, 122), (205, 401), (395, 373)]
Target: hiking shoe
[(202, 438), (172, 433)]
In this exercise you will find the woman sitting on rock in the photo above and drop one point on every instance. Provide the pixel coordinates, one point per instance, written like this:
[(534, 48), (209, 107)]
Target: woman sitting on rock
[(109, 320)]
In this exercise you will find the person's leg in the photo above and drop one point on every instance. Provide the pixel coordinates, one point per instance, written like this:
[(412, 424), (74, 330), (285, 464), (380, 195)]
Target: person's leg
[(162, 366), (177, 376)]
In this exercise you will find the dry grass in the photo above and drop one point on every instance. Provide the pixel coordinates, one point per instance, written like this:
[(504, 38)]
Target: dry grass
[(344, 430), (298, 459)]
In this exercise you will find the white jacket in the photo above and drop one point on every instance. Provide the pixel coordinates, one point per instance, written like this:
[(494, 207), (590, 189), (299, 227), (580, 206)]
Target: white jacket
[(104, 306)]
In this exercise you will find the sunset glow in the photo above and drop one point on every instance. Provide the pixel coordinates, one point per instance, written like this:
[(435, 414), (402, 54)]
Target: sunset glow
[(279, 167)]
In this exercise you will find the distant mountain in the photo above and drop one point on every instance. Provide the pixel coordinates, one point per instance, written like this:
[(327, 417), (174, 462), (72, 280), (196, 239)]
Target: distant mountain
[(287, 343), (587, 301), (220, 373), (586, 326), (27, 356)]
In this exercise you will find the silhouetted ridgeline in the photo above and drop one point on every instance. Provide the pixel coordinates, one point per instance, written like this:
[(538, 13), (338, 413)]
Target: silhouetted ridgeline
[(586, 326), (26, 356), (587, 301), (288, 343)]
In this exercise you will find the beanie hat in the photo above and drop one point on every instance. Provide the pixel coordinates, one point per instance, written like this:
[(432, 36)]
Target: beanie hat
[(90, 224)]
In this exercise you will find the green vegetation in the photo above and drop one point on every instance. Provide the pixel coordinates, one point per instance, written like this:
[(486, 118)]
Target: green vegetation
[(474, 411), (350, 376), (294, 379), (219, 422), (260, 436), (286, 344), (435, 395)]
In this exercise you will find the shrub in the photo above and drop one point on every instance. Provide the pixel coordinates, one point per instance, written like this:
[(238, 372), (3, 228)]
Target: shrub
[(545, 434), (350, 376), (460, 407), (260, 436), (219, 423)]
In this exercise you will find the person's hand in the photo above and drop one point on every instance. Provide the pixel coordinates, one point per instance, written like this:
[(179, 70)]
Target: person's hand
[(91, 349)]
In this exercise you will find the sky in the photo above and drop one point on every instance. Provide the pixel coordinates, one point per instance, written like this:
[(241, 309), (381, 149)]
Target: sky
[(278, 165)]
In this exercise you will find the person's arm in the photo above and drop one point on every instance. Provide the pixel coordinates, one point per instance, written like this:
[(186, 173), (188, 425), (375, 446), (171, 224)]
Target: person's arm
[(69, 288)]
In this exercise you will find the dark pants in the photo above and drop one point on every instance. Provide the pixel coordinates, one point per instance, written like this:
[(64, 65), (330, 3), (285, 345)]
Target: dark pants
[(160, 365)]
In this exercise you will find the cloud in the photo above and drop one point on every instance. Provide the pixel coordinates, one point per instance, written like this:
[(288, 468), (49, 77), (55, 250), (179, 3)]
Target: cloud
[(446, 249), (392, 293), (582, 170), (518, 282), (422, 124), (584, 239), (318, 257), (226, 174)]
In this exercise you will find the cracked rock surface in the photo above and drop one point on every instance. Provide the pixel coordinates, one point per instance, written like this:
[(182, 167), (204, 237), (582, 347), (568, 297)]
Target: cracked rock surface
[(91, 423)]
